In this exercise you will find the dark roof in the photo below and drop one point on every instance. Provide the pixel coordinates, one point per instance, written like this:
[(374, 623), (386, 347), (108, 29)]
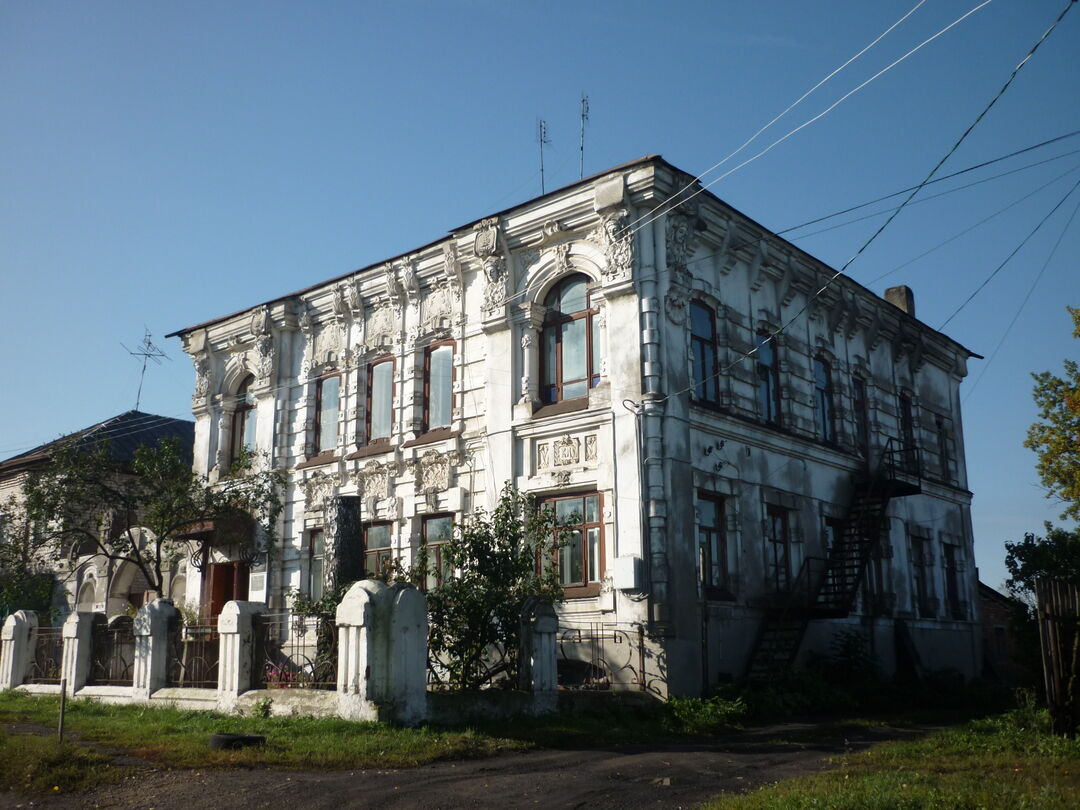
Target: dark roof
[(125, 433)]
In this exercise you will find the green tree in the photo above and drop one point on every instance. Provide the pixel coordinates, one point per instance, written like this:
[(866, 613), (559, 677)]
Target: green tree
[(25, 582), (1055, 437), (86, 501), (499, 560), (1055, 556)]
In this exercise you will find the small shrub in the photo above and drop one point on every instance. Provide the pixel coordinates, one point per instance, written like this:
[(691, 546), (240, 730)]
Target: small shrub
[(704, 715)]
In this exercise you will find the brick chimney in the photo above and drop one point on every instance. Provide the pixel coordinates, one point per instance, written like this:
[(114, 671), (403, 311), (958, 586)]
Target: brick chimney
[(902, 297)]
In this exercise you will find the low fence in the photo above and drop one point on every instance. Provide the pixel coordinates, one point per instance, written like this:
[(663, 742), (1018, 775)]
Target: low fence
[(112, 652), (192, 658), (291, 651), (601, 656), (47, 662), (1058, 606)]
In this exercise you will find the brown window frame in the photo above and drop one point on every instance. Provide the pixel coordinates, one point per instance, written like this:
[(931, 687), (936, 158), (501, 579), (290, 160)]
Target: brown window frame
[(709, 372), (944, 460), (588, 588), (367, 399), (428, 350), (778, 576), (860, 406), (434, 549), (824, 401), (238, 434), (722, 589), (311, 557), (551, 391), (381, 551), (317, 438), (920, 569), (768, 375)]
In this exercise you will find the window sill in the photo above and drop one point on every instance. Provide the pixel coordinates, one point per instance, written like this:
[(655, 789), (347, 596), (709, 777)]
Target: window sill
[(581, 591), (316, 461), (371, 450), (432, 436), (566, 406)]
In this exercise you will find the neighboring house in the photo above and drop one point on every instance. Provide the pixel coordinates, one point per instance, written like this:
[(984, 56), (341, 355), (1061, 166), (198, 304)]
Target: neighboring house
[(1002, 660), (90, 581), (593, 347)]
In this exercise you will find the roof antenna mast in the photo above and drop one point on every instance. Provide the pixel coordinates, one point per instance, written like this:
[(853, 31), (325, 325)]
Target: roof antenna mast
[(542, 136), (584, 120), (147, 351)]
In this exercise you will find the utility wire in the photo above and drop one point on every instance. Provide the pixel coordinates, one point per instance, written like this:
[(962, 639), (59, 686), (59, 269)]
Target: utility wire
[(922, 200), (1023, 303), (652, 216), (788, 109), (967, 230), (773, 335), (941, 179), (1015, 250)]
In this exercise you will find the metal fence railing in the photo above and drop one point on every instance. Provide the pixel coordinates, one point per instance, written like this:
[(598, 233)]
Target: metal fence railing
[(112, 652), (294, 652), (192, 658), (48, 656)]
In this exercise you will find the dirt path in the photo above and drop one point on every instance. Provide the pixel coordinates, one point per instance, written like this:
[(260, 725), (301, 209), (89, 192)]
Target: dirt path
[(669, 776)]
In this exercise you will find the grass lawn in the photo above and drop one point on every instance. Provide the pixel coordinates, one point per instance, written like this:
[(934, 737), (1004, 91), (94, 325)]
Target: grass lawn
[(998, 763)]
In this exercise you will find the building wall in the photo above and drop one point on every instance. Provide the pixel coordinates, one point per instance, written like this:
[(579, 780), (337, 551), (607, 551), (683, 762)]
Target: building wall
[(639, 439)]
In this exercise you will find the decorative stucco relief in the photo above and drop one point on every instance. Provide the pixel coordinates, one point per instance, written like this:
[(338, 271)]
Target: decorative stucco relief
[(318, 488), (566, 451), (614, 236), (432, 470)]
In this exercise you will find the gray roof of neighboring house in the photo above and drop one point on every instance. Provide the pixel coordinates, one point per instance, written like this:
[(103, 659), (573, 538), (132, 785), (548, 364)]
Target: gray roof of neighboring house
[(125, 433)]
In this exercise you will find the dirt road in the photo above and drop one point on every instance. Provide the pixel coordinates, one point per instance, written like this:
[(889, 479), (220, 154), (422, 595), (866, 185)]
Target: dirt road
[(669, 776)]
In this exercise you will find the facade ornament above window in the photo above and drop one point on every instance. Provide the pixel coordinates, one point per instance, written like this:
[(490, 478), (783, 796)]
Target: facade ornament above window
[(432, 470), (567, 451), (452, 268), (342, 310), (615, 238), (409, 282), (264, 357), (202, 378), (380, 328), (260, 321), (543, 457), (681, 237), (319, 488), (526, 259), (495, 287), (373, 479), (486, 239), (562, 258)]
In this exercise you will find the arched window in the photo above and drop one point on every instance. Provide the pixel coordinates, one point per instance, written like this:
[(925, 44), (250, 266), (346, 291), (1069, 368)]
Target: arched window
[(703, 352), (243, 421), (571, 358)]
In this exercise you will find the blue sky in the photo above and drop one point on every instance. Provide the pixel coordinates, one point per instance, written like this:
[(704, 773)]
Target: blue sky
[(165, 163)]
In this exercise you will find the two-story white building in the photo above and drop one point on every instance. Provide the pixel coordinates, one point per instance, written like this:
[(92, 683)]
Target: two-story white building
[(606, 347)]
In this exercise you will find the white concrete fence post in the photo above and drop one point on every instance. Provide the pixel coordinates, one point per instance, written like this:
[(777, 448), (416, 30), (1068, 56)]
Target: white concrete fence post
[(539, 654), (78, 642), (236, 653), (382, 653), (18, 652), (361, 668), (408, 653), (151, 628)]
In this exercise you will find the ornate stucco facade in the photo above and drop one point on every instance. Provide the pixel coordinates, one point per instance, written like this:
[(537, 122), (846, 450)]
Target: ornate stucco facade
[(715, 470)]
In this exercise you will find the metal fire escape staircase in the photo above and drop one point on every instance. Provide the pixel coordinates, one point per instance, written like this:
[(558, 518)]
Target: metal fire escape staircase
[(825, 587)]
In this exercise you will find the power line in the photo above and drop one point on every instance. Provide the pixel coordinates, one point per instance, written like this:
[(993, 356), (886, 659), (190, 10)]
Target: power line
[(649, 218), (773, 335), (939, 194), (941, 179), (786, 110), (1023, 303), (1015, 250)]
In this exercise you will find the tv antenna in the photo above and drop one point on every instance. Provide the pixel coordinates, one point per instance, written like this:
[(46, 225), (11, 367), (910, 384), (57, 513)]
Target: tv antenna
[(147, 351), (584, 120), (542, 137)]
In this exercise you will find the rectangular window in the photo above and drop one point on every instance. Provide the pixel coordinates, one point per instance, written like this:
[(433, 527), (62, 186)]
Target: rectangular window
[(920, 564), (952, 583), (768, 379), (834, 534), (438, 386), (377, 553), (316, 570), (437, 530), (327, 408), (380, 401), (860, 405), (580, 540), (824, 400), (703, 353), (778, 548), (712, 547), (909, 451), (943, 448)]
